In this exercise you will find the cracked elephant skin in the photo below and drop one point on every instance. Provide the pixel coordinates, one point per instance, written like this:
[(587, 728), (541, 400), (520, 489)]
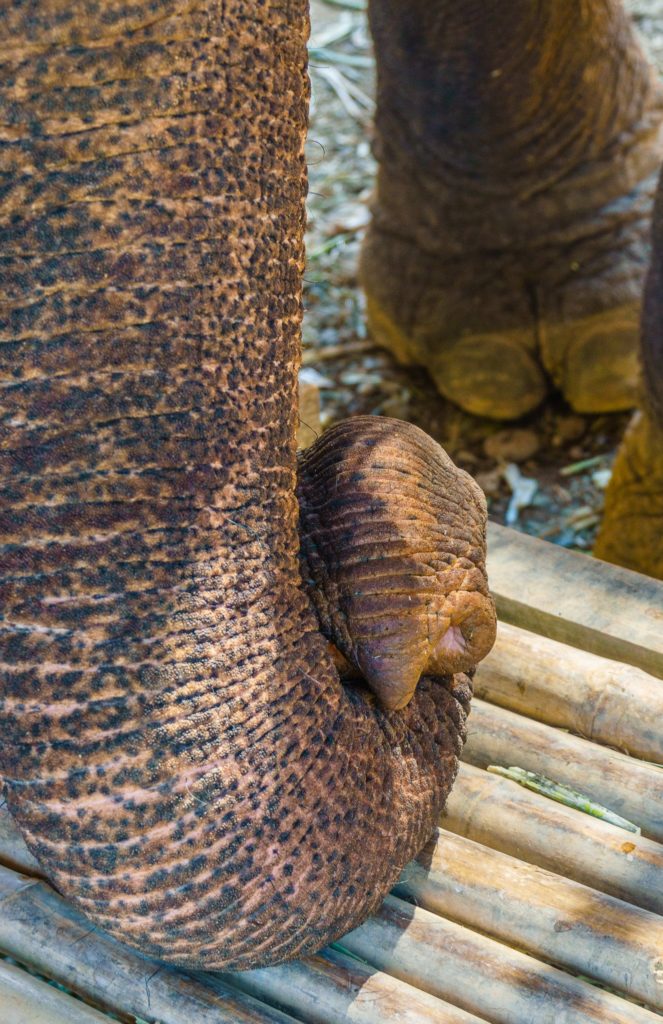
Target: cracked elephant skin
[(178, 748)]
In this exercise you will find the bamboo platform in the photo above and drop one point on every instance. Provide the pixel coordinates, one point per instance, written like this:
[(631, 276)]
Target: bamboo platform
[(521, 910)]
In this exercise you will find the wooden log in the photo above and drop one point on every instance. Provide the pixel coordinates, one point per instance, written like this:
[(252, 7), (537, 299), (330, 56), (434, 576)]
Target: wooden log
[(605, 701), (25, 999), (39, 929), (335, 989), (498, 813), (483, 976), (576, 599), (555, 919), (631, 788)]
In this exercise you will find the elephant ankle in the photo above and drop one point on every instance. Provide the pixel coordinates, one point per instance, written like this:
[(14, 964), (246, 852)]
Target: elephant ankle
[(632, 530), (495, 328)]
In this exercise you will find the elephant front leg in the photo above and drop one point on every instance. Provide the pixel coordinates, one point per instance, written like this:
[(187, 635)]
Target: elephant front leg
[(518, 147)]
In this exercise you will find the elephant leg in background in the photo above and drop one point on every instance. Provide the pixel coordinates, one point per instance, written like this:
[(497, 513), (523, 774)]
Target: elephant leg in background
[(632, 530), (518, 147), (177, 747)]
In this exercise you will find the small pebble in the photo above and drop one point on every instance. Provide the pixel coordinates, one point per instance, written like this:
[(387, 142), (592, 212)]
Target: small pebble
[(514, 445), (570, 428), (490, 482), (349, 217)]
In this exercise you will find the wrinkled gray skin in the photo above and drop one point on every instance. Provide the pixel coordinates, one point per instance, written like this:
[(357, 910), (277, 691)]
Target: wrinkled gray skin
[(178, 748)]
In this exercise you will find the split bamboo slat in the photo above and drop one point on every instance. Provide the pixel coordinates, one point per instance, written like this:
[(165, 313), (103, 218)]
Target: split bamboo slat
[(502, 815), (579, 600), (602, 700), (334, 987), (551, 917), (631, 788), (521, 910), (25, 999), (13, 851), (487, 977)]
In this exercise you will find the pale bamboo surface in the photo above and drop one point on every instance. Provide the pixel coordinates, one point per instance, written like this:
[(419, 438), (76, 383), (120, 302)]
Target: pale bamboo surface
[(483, 976), (27, 1000), (603, 700), (498, 813), (631, 788), (581, 601), (333, 987), (550, 917)]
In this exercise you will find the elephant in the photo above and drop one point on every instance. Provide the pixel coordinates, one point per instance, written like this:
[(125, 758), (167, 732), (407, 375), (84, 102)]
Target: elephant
[(236, 682)]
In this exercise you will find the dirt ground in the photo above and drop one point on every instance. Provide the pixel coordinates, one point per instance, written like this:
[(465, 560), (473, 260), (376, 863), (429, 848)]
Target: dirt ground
[(544, 475)]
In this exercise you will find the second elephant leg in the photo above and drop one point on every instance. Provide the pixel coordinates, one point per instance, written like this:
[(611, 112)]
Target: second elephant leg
[(632, 530), (518, 147)]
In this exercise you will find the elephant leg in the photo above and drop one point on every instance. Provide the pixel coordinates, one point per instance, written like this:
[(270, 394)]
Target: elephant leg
[(177, 747), (518, 147), (632, 530)]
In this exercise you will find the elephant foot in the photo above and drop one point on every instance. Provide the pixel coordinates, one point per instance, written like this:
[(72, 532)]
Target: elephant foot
[(517, 171), (398, 585), (631, 533), (497, 328)]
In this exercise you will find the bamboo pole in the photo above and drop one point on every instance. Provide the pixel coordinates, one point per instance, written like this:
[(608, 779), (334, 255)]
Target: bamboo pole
[(579, 600), (631, 788), (498, 813), (518, 904), (602, 700), (485, 977), (552, 918), (25, 999), (335, 989), (39, 929)]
